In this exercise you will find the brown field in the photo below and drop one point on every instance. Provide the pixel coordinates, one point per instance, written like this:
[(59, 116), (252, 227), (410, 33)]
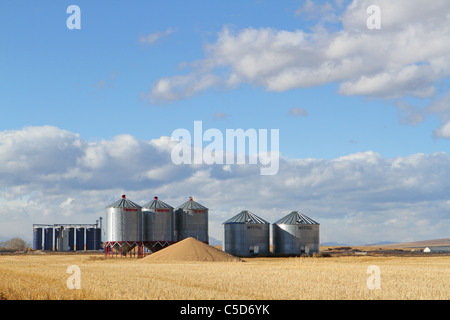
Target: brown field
[(36, 277)]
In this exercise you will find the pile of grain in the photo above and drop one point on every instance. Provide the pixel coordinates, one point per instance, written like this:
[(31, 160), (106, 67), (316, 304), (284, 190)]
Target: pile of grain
[(190, 249)]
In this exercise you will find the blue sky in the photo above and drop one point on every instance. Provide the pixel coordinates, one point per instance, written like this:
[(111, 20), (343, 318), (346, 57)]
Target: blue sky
[(311, 70), (89, 81)]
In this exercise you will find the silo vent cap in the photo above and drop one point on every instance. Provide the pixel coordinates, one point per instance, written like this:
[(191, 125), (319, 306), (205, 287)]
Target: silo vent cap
[(191, 199), (156, 198), (123, 196)]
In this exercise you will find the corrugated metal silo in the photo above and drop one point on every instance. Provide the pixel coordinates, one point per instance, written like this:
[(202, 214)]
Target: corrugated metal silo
[(295, 234), (48, 239), (62, 240), (79, 239), (191, 220), (71, 231), (93, 238), (158, 221), (57, 231), (37, 238), (246, 235), (97, 238), (123, 225)]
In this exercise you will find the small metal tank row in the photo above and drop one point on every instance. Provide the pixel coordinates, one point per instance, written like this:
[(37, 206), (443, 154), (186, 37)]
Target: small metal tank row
[(248, 235), (61, 238), (153, 225)]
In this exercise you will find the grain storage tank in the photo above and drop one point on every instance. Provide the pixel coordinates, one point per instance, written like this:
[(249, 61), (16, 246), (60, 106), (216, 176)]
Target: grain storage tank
[(191, 220), (48, 238), (57, 231), (93, 238), (71, 231), (158, 221), (123, 225), (97, 238), (37, 238), (246, 235), (62, 240), (295, 234), (79, 239)]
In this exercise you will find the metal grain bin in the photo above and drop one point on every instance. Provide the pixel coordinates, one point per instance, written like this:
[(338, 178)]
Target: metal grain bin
[(295, 234), (97, 238), (158, 221), (79, 239), (57, 231), (48, 239), (37, 238), (71, 231), (93, 241), (246, 235), (191, 220), (62, 240), (123, 224)]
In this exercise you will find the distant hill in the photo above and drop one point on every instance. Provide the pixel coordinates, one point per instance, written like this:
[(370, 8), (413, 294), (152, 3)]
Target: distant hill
[(2, 238), (214, 242), (382, 243), (334, 244), (419, 244), (340, 244), (392, 245)]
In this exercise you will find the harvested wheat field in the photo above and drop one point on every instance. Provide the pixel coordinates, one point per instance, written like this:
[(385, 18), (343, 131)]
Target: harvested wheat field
[(44, 276), (190, 249)]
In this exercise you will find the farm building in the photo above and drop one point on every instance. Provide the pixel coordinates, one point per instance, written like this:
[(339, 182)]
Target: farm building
[(437, 249)]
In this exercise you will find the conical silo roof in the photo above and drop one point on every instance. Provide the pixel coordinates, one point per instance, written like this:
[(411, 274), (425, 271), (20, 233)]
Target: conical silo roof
[(246, 217), (296, 217), (124, 203), (191, 205), (157, 204)]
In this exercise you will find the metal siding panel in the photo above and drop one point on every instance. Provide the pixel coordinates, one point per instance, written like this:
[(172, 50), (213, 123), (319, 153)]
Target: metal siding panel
[(239, 238), (292, 239), (79, 239), (48, 239), (123, 225), (193, 224), (37, 239)]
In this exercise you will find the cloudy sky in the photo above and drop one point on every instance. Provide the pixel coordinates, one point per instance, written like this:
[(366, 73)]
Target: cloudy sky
[(363, 113)]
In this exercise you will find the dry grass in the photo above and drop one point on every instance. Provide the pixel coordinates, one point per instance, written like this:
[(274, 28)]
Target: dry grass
[(44, 277)]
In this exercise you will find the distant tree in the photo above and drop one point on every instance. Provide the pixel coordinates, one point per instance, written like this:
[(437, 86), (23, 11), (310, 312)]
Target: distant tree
[(15, 244)]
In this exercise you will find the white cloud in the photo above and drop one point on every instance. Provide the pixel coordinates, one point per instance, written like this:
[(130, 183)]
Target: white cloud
[(220, 115), (49, 175), (180, 87), (410, 114), (408, 57), (443, 131), (298, 112), (405, 56), (151, 39), (441, 107)]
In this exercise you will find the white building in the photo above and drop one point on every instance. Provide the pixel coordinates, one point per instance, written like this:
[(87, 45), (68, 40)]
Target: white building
[(437, 249)]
